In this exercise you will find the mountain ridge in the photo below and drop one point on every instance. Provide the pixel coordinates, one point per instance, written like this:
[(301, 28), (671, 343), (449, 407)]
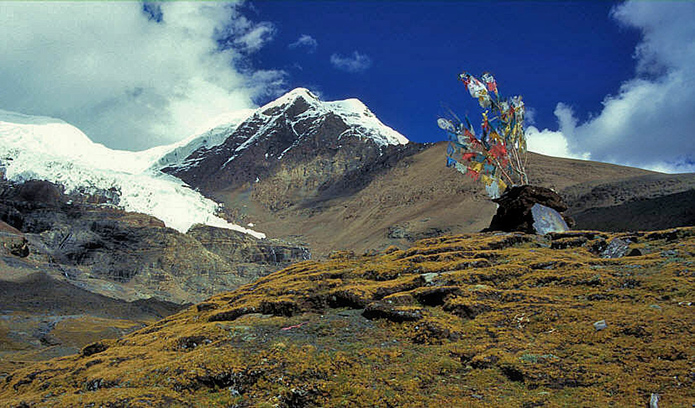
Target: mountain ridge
[(297, 156), (287, 133), (289, 171), (416, 196), (131, 256)]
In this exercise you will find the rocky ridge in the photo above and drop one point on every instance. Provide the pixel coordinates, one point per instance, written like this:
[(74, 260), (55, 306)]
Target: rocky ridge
[(416, 197), (329, 174), (74, 269)]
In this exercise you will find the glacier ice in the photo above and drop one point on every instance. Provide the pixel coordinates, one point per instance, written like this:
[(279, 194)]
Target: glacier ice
[(33, 147)]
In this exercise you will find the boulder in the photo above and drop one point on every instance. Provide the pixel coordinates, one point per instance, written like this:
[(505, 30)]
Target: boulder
[(530, 209)]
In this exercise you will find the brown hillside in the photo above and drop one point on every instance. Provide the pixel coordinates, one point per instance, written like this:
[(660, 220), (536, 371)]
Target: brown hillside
[(419, 197), (481, 320)]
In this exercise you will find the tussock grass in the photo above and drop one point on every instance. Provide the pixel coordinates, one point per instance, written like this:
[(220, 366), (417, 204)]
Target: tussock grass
[(483, 320)]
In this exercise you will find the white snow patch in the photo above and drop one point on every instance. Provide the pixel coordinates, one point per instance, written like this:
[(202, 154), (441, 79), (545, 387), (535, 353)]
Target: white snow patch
[(212, 135), (49, 149), (289, 97), (353, 112), (356, 114)]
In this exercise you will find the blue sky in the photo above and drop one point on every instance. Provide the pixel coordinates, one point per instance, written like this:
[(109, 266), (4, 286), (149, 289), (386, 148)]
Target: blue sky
[(548, 52), (607, 81)]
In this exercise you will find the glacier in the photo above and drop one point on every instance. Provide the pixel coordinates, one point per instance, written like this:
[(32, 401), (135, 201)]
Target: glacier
[(43, 148)]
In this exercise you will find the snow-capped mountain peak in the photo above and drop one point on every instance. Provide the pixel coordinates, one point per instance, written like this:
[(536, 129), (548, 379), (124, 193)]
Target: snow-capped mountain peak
[(291, 96), (211, 135), (290, 129), (301, 143), (353, 112), (283, 124)]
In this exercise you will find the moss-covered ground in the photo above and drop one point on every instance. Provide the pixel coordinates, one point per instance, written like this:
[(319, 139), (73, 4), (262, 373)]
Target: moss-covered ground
[(482, 320)]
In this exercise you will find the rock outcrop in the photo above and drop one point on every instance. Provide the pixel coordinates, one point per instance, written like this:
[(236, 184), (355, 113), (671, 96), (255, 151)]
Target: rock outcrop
[(234, 246), (521, 209), (129, 255)]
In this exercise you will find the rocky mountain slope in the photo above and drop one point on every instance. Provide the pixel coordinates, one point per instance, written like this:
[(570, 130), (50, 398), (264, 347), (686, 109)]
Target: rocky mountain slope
[(297, 148), (416, 197), (644, 202), (330, 174), (43, 316), (483, 320), (676, 209), (133, 256)]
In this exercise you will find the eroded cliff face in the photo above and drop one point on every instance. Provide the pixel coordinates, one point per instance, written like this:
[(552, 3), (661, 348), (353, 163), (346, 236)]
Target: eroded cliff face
[(74, 269), (131, 256)]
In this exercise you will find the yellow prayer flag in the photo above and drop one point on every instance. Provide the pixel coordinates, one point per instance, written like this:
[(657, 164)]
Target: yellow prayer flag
[(476, 166), (502, 184)]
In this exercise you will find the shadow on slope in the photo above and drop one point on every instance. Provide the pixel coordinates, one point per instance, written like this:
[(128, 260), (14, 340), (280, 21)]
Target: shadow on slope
[(672, 210)]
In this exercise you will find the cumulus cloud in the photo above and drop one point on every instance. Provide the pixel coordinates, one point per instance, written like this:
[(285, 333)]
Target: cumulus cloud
[(651, 120), (356, 62), (131, 76), (305, 42), (555, 143)]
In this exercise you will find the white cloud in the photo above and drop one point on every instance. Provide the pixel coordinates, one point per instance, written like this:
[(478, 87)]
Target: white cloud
[(555, 143), (355, 63), (250, 36), (550, 143), (306, 42), (530, 116), (128, 78), (650, 123)]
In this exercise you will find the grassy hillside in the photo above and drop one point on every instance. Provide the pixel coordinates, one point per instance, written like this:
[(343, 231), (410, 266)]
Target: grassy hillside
[(650, 213), (484, 320)]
